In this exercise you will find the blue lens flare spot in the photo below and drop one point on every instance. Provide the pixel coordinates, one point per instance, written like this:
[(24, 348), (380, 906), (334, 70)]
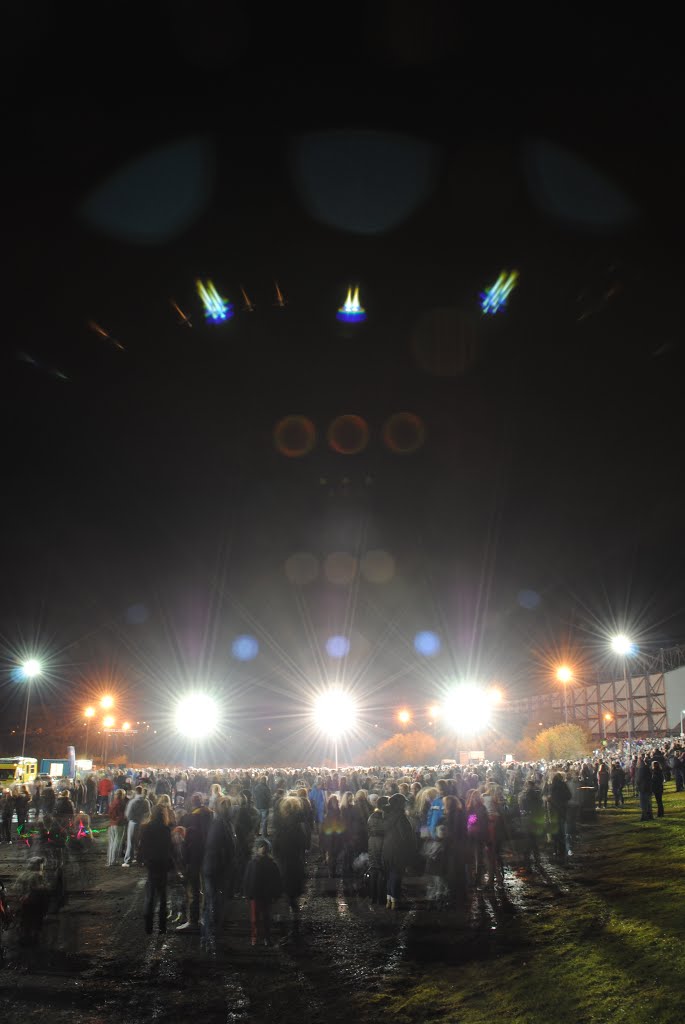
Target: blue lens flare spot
[(427, 643), (137, 614), (337, 646), (245, 648), (528, 599)]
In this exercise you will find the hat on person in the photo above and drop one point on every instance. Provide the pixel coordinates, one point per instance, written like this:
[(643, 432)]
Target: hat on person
[(383, 801)]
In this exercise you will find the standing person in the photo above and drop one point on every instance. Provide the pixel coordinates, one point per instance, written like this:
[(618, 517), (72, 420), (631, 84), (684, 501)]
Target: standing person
[(399, 848), (618, 781), (48, 799), (137, 811), (376, 831), (332, 835), (91, 794), (6, 815), (477, 828), (559, 798), (196, 823), (532, 822), (262, 885), (350, 820), (453, 865), (317, 798), (289, 847), (217, 868), (117, 827), (64, 809), (643, 784), (245, 829), (262, 802), (155, 855), (658, 787), (603, 785), (79, 795), (22, 798), (105, 787)]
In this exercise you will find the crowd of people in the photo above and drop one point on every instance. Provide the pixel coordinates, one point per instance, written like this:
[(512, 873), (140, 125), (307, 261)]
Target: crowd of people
[(207, 837)]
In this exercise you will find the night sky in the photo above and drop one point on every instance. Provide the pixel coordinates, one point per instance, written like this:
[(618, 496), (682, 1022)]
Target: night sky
[(148, 515)]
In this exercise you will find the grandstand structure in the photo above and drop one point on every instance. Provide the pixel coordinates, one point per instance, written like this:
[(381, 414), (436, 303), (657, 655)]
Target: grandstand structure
[(649, 700)]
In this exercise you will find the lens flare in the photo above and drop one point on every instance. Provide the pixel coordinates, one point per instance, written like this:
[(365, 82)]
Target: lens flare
[(467, 709), (216, 309), (427, 643), (351, 311), (348, 434), (494, 298), (196, 715)]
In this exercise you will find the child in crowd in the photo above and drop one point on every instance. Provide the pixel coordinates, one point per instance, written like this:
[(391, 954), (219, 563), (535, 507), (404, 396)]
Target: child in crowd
[(262, 886)]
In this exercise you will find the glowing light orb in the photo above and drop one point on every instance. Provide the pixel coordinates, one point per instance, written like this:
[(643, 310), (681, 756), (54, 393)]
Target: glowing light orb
[(294, 436), (467, 709), (494, 298), (427, 643), (340, 568), (196, 715), (108, 722), (564, 674), (377, 566), (216, 309), (337, 646), (351, 311), (107, 702), (348, 434), (245, 648), (622, 644), (301, 568), (404, 433), (404, 716), (31, 668), (335, 712)]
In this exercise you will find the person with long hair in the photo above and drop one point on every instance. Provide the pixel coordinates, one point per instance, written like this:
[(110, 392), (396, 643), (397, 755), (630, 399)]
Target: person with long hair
[(350, 820), (477, 825), (289, 850), (117, 827), (453, 865), (217, 871), (332, 835), (155, 854)]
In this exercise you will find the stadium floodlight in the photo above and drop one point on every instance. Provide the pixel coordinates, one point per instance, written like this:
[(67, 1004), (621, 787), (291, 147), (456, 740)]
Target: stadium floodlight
[(196, 718), (467, 709), (335, 713), (29, 670), (622, 644)]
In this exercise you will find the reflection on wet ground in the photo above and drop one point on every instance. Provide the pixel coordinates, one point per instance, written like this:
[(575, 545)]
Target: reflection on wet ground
[(95, 960)]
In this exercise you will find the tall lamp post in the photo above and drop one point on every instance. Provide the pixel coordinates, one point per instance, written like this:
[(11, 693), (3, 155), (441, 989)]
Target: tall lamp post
[(564, 676), (88, 714), (29, 670), (623, 646)]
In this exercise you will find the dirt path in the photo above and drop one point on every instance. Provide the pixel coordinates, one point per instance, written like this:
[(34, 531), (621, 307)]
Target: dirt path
[(96, 961)]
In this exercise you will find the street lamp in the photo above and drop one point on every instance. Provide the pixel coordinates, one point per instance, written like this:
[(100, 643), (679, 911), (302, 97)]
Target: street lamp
[(607, 719), (335, 713), (107, 724), (88, 714), (196, 717), (106, 702), (29, 670), (564, 676), (624, 647), (404, 717)]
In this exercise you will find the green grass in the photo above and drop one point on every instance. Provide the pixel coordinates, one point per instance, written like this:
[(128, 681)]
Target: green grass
[(607, 948)]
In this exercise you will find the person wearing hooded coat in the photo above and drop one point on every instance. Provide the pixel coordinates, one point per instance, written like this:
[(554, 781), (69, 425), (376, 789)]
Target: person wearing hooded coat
[(217, 868), (399, 848), (376, 832)]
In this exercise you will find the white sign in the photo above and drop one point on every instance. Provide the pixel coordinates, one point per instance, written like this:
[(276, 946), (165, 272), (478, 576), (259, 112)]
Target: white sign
[(508, 758), (56, 769), (476, 755)]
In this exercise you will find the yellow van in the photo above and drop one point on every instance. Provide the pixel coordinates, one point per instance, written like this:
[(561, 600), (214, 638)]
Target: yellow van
[(15, 770)]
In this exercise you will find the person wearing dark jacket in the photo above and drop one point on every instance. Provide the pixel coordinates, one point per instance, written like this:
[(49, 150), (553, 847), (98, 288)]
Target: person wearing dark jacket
[(658, 787), (618, 781), (155, 854), (47, 798), (332, 835), (399, 848), (64, 808), (262, 802), (376, 831), (196, 823), (262, 885), (603, 785), (289, 848), (643, 784), (559, 797), (217, 867), (22, 798)]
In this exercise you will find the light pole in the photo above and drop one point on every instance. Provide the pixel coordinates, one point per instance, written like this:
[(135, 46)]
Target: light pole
[(623, 646), (88, 714), (107, 724), (565, 675), (30, 669)]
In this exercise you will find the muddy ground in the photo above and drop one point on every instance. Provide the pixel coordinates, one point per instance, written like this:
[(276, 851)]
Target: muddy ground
[(95, 964)]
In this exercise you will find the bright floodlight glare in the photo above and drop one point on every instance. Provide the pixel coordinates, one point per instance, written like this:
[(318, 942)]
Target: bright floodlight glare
[(107, 702), (31, 668), (335, 712), (434, 711), (467, 709), (404, 716), (564, 674), (125, 726), (108, 722), (89, 712), (621, 644), (196, 716), (496, 695)]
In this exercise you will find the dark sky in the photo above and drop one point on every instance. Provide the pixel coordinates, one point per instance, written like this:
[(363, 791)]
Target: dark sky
[(464, 145)]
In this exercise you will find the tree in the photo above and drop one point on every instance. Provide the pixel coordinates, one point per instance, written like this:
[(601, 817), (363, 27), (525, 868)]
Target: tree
[(561, 742), (414, 748)]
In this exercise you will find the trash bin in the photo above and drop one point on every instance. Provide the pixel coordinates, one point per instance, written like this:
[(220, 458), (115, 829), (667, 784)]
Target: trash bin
[(586, 803)]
